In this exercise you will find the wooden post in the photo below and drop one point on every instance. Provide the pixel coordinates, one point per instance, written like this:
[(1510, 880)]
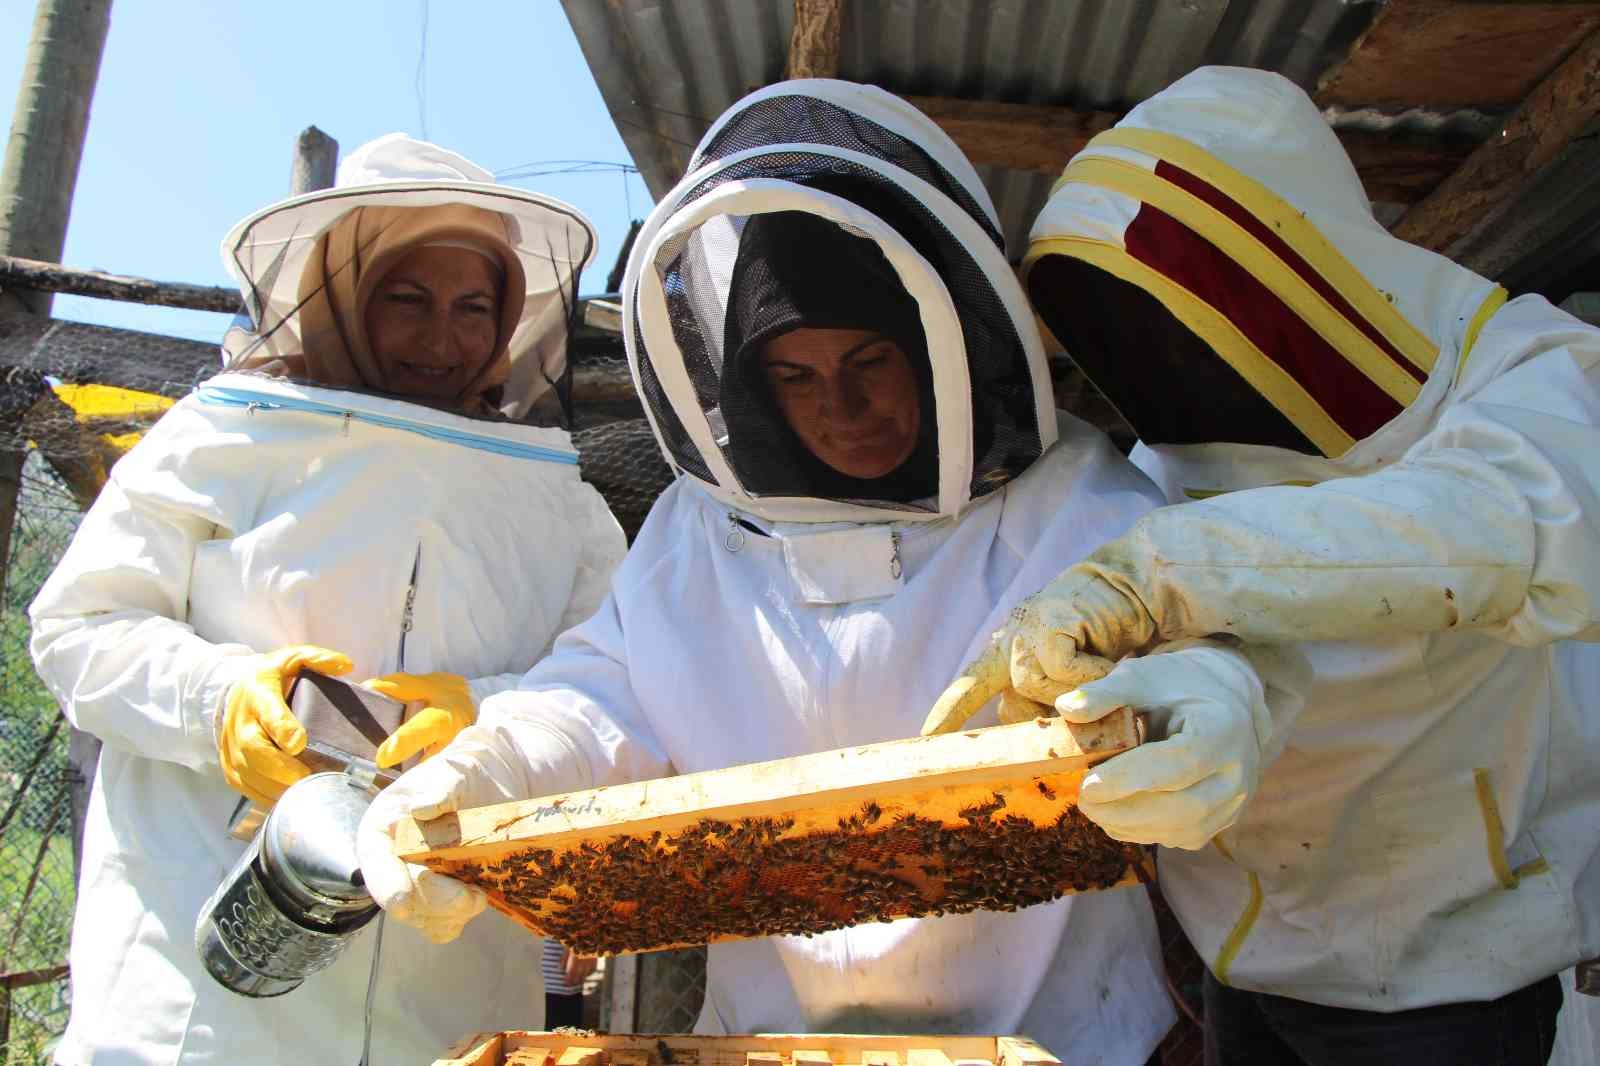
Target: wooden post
[(814, 41), (47, 132), (316, 158), (36, 186), (41, 171), (622, 974)]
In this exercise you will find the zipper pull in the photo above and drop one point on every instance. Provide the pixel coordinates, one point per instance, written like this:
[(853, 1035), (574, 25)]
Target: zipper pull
[(405, 612), (405, 616), (734, 541), (895, 569)]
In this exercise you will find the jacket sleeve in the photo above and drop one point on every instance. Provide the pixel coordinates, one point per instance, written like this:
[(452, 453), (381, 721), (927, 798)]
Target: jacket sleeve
[(574, 722), (109, 634), (1533, 427), (1491, 521)]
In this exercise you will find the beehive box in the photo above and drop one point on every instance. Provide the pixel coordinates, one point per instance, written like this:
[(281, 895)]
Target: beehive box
[(982, 819), (587, 1049)]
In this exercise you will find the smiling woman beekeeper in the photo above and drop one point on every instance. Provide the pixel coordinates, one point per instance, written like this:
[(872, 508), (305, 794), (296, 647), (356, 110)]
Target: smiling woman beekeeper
[(839, 362), (1399, 471), (349, 498)]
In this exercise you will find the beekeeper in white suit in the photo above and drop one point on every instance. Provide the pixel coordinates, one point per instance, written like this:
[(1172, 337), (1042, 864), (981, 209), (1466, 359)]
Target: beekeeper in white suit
[(838, 360), (351, 498), (1390, 467)]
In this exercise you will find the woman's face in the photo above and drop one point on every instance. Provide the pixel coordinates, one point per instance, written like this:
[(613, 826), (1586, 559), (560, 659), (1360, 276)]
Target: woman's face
[(850, 395), (433, 321)]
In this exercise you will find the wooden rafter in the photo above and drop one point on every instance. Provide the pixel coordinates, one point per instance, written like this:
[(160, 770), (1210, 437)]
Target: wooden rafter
[(814, 42), (1015, 136), (1041, 139), (1445, 54), (1556, 112)]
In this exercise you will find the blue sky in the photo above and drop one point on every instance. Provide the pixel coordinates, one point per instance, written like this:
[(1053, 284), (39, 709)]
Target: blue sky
[(198, 106)]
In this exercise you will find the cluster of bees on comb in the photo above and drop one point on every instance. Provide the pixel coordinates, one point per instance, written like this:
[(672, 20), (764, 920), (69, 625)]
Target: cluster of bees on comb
[(718, 879)]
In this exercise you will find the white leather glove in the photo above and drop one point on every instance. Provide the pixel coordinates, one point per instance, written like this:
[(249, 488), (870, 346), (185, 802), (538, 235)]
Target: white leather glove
[(1209, 709), (1434, 543), (485, 764)]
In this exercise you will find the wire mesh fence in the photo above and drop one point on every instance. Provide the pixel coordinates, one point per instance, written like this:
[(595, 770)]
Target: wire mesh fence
[(37, 877), (672, 987)]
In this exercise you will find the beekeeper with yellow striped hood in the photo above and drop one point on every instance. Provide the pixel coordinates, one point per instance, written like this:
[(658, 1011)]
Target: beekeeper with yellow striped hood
[(350, 496), (1378, 459), (843, 369)]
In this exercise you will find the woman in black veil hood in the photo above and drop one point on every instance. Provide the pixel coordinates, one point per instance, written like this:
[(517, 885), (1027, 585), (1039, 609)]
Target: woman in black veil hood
[(798, 271)]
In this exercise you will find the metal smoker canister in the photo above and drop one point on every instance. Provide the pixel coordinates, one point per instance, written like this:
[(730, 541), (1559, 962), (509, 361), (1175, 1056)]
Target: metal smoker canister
[(296, 896)]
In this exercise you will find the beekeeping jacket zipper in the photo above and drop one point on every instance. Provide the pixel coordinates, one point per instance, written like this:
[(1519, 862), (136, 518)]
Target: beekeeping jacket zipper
[(231, 396)]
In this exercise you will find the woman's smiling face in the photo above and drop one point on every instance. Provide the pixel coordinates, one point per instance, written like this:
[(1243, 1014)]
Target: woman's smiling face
[(850, 395), (433, 321)]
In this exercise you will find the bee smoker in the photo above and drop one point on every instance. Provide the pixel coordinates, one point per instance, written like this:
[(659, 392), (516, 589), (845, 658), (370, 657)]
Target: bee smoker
[(296, 896)]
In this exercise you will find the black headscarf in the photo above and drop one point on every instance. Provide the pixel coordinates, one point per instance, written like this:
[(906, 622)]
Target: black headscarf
[(796, 270)]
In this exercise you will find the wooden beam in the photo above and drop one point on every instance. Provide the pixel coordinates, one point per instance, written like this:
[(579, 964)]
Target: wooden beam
[(36, 276), (493, 1049), (1556, 112), (809, 822), (1015, 136), (29, 978), (814, 42), (1399, 169), (1042, 139), (1445, 54), (797, 787)]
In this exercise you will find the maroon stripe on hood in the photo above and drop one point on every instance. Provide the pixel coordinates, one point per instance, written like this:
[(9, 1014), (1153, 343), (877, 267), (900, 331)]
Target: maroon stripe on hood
[(1260, 231), (1167, 246)]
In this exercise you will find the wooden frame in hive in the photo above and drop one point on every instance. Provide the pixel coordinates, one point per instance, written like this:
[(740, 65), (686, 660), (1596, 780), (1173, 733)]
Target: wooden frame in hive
[(981, 819), (519, 1048)]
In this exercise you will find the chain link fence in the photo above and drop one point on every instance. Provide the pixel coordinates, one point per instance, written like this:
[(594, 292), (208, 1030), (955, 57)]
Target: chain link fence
[(37, 869)]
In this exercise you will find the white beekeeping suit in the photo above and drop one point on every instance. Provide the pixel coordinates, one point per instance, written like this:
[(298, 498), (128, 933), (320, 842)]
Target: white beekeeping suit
[(1382, 459), (770, 609), (262, 512)]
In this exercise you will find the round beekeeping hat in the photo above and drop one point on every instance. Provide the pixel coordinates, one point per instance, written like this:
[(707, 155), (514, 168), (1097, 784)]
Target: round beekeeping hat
[(267, 252)]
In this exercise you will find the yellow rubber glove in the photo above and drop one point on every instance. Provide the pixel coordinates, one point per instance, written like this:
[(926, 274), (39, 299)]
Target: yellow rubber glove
[(446, 708), (260, 736)]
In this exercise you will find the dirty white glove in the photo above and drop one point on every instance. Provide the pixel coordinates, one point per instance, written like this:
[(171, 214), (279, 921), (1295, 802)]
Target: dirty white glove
[(1434, 543), (485, 764), (1047, 649), (1208, 714)]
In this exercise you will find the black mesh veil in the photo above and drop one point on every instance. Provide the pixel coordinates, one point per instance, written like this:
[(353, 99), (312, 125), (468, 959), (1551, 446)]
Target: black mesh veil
[(802, 119), (695, 268)]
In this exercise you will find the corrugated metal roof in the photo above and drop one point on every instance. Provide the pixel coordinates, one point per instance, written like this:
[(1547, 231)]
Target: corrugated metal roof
[(667, 68)]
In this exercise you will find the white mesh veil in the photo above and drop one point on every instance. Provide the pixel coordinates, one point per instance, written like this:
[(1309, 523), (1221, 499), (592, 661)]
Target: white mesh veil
[(867, 162), (267, 252)]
